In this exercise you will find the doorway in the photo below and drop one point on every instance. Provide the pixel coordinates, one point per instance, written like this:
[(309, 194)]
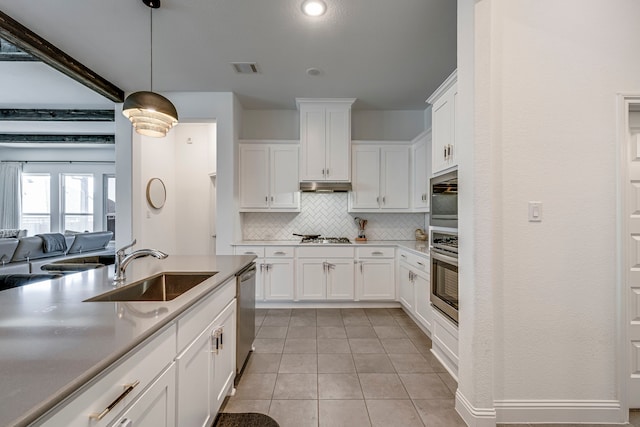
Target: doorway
[(629, 244)]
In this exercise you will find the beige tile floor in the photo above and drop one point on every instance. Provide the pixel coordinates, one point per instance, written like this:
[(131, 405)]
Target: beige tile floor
[(344, 367)]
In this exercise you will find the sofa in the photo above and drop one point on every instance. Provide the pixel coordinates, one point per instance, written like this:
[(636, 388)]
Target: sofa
[(26, 255)]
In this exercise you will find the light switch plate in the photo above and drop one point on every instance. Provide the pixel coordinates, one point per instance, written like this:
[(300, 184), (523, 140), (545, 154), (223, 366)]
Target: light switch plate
[(535, 211)]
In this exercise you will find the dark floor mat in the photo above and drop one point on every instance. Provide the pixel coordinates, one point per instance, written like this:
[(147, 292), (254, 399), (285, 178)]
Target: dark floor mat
[(244, 419)]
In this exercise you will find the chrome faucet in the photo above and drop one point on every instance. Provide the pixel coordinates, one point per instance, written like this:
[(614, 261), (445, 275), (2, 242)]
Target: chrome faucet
[(123, 260)]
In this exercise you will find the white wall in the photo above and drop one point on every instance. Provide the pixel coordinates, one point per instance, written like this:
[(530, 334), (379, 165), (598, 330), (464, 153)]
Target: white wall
[(193, 143), (158, 159), (391, 125), (546, 77)]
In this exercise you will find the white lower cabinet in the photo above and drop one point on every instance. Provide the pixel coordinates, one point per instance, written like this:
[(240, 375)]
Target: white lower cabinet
[(101, 401), (205, 370), (274, 271), (157, 405), (325, 273), (406, 289), (414, 286), (375, 273)]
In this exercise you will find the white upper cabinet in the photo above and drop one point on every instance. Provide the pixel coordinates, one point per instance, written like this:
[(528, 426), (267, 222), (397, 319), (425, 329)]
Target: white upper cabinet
[(443, 117), (421, 171), (380, 178), (325, 139), (269, 177)]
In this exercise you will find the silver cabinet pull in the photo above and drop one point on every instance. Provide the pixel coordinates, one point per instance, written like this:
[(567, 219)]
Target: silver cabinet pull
[(272, 198), (384, 200), (378, 253), (279, 253), (327, 172), (445, 153), (323, 174), (378, 200), (419, 263), (266, 198), (128, 389), (403, 256), (361, 267)]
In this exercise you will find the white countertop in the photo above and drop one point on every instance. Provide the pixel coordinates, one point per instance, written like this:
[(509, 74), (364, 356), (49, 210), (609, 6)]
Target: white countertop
[(418, 247), (51, 342)]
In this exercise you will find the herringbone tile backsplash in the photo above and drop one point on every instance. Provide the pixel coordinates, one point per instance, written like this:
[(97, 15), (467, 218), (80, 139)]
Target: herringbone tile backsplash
[(326, 214)]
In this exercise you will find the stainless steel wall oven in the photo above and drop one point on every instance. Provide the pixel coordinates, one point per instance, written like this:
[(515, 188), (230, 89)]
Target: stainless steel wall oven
[(444, 271), (444, 200)]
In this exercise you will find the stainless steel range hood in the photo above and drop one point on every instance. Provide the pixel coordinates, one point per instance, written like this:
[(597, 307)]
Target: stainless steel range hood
[(325, 187)]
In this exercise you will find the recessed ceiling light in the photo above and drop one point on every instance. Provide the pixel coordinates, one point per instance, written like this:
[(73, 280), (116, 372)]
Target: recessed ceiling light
[(313, 71), (314, 7)]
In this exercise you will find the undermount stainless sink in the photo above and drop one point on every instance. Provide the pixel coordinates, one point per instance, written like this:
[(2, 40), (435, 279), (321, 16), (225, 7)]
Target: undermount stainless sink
[(161, 287)]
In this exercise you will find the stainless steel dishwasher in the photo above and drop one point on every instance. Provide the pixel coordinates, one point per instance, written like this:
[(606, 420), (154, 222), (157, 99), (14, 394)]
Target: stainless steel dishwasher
[(246, 315)]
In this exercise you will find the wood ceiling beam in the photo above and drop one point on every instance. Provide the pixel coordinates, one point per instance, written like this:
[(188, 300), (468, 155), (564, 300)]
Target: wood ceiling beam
[(49, 115), (33, 44), (18, 138)]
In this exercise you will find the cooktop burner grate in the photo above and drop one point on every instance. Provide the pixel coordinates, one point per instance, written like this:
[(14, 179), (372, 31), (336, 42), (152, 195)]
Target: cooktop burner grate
[(326, 240)]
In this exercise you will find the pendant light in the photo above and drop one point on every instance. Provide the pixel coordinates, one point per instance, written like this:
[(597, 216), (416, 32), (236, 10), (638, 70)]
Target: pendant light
[(151, 114)]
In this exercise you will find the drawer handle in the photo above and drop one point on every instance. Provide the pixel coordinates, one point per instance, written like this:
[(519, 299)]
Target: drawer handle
[(403, 256), (250, 253), (279, 253), (377, 253), (419, 263), (128, 389)]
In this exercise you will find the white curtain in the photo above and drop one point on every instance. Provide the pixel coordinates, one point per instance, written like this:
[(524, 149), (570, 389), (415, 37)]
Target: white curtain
[(10, 194)]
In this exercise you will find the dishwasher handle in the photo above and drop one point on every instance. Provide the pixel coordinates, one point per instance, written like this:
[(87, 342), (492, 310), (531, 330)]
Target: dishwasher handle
[(247, 274)]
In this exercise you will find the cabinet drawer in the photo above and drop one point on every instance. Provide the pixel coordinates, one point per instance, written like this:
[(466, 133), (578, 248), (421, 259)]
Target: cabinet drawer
[(325, 252), (278, 252), (142, 366), (416, 261), (250, 250), (375, 252), (197, 318)]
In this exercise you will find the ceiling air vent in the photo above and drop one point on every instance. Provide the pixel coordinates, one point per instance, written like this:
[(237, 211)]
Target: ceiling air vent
[(245, 67)]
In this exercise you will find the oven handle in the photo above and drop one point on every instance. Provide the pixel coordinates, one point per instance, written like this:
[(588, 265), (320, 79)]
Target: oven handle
[(444, 258)]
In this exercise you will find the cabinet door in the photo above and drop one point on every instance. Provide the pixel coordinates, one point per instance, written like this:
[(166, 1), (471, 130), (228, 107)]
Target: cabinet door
[(260, 278), (340, 279), (279, 279), (311, 279), (366, 178), (284, 191), (441, 119), (312, 143), (376, 279), (254, 176), (338, 142), (407, 296), (395, 178), (422, 286), (155, 407), (443, 130), (224, 360), (194, 373), (421, 196)]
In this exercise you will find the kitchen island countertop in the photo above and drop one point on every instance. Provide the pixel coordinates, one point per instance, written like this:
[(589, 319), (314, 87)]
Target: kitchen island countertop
[(51, 342)]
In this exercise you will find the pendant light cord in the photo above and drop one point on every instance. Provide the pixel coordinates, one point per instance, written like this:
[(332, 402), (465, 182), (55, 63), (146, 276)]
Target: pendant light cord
[(151, 39)]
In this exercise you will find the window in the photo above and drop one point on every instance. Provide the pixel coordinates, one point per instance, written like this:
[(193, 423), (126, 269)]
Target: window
[(36, 203), (77, 203), (110, 202)]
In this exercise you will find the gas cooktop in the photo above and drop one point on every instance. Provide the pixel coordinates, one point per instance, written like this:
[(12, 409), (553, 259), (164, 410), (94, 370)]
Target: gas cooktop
[(325, 240)]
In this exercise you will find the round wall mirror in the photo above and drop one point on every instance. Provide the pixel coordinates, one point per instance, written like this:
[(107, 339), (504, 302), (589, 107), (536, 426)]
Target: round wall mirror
[(156, 193)]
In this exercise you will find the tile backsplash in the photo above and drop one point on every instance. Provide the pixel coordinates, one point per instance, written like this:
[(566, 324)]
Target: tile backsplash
[(326, 214)]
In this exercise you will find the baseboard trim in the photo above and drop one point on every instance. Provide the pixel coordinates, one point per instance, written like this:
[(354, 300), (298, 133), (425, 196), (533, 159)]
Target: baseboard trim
[(560, 411), (474, 417), (327, 304)]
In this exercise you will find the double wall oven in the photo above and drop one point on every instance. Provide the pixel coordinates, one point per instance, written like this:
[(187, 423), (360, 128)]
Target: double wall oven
[(443, 244)]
